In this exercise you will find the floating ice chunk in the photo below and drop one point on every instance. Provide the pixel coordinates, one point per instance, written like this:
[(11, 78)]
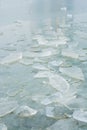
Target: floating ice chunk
[(36, 37), (25, 111), (37, 98), (14, 57), (6, 107), (65, 25), (75, 54), (60, 42), (40, 39), (38, 60), (67, 98), (12, 92), (45, 53), (42, 74), (46, 101), (52, 98), (80, 115), (55, 63), (28, 54), (56, 43), (50, 112), (26, 61), (56, 112), (39, 67), (73, 72), (60, 98), (70, 53), (64, 124), (3, 126), (82, 55), (59, 83)]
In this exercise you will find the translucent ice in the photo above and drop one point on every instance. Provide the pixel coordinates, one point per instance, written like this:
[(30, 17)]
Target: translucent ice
[(80, 115), (52, 98), (42, 74), (55, 63), (59, 83), (59, 98), (64, 124), (49, 112), (73, 72), (39, 67), (6, 107), (70, 53), (14, 57), (25, 111), (73, 53), (26, 61)]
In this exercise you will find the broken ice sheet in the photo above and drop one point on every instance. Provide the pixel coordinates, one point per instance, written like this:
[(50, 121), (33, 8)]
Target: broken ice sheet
[(28, 54), (37, 37), (46, 53), (74, 53), (42, 41), (26, 61), (55, 63), (39, 67), (73, 72), (11, 58), (49, 112), (25, 111), (59, 98), (70, 53), (59, 83), (7, 106), (80, 115), (12, 92), (64, 124), (56, 112), (37, 98), (52, 98), (42, 74), (55, 43)]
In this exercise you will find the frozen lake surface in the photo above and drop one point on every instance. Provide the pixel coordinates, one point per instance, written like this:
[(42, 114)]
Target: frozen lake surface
[(43, 65)]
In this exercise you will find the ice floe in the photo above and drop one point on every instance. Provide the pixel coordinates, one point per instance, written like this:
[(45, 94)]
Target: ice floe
[(59, 83), (73, 72), (7, 107), (11, 58), (64, 124), (80, 115), (25, 111), (39, 67)]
